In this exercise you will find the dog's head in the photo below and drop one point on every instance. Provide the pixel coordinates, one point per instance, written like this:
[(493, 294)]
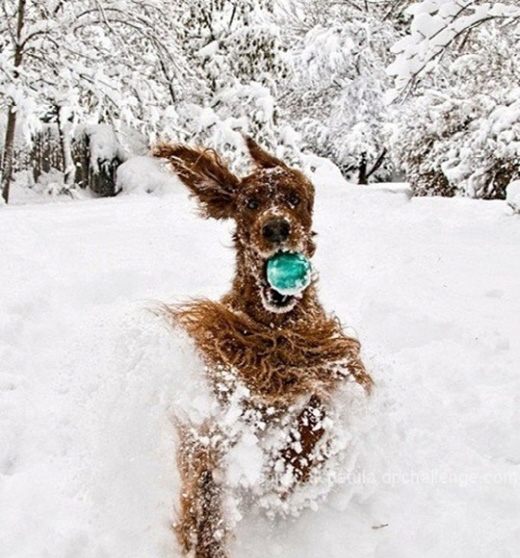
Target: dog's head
[(272, 208)]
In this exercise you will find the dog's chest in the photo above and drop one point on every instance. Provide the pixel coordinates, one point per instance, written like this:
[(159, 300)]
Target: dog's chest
[(263, 442), (257, 389)]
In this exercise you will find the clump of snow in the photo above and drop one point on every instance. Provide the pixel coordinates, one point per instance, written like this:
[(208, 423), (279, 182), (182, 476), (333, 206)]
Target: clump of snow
[(146, 175), (323, 172), (245, 462), (513, 195)]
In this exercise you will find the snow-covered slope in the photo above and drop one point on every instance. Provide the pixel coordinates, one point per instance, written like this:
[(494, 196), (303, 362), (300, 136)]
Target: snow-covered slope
[(86, 448)]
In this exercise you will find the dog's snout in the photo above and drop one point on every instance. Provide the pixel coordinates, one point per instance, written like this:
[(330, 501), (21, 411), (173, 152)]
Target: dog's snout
[(276, 230)]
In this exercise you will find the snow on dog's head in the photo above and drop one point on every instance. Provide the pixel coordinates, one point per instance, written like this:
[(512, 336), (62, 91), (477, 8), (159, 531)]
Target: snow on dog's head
[(272, 208)]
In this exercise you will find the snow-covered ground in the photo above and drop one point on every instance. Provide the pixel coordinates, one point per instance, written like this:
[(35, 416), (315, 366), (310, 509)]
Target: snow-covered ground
[(86, 447)]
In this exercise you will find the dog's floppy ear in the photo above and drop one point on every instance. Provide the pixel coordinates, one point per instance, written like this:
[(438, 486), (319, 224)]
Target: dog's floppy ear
[(261, 158), (206, 175)]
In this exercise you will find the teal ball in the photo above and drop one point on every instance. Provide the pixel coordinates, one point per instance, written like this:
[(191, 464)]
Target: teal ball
[(288, 272)]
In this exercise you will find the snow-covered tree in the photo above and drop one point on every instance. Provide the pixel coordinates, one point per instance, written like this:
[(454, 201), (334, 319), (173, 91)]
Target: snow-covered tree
[(113, 61), (336, 93), (439, 25), (237, 48), (458, 129)]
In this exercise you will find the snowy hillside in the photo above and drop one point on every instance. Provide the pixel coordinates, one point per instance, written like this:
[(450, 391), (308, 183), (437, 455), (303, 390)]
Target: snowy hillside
[(86, 447)]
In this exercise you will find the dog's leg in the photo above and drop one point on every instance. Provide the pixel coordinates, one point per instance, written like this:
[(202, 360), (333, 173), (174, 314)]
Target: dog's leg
[(309, 430), (201, 529)]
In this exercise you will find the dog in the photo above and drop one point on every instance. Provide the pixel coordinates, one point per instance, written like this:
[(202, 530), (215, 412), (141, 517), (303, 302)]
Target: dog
[(281, 377)]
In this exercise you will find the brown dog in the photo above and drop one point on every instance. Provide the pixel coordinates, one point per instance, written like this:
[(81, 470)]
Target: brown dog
[(276, 365)]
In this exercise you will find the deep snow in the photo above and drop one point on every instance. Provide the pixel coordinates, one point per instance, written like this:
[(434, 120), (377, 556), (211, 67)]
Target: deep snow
[(86, 445)]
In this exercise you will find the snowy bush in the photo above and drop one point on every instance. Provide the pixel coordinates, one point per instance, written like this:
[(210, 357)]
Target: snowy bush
[(448, 145), (416, 140), (239, 110), (231, 40), (436, 26), (99, 60), (237, 48)]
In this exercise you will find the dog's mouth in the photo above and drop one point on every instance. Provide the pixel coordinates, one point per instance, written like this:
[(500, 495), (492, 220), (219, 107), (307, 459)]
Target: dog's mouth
[(277, 302), (272, 299)]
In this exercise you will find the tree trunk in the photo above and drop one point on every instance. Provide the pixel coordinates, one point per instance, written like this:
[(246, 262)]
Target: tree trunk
[(8, 156), (377, 164), (362, 176), (65, 132)]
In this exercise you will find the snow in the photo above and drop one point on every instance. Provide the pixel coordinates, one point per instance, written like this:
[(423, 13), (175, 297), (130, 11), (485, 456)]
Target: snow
[(435, 24), (145, 175), (50, 187), (323, 171), (103, 144), (513, 195), (88, 378)]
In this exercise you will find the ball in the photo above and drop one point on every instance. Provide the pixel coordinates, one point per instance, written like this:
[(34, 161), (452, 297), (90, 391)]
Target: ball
[(288, 272)]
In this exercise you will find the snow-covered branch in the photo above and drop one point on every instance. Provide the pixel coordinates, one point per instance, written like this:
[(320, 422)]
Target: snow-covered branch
[(436, 25)]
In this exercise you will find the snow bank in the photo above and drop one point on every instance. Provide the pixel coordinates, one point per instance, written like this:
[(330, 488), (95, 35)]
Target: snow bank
[(325, 175), (50, 187), (88, 377), (401, 188), (323, 172)]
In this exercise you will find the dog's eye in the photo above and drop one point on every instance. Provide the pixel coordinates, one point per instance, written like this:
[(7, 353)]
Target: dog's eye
[(293, 200), (252, 203)]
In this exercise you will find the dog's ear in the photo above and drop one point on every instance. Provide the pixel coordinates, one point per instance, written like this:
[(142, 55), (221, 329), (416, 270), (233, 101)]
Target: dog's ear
[(206, 175), (261, 158)]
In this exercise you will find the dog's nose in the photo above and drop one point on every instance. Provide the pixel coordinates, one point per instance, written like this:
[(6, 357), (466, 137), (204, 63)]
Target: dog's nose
[(276, 230)]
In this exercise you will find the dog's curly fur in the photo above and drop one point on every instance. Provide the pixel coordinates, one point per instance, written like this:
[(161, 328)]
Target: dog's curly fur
[(282, 349), (280, 364)]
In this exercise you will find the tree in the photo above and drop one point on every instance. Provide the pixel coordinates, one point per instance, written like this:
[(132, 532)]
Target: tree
[(436, 26), (17, 58), (339, 52), (112, 61), (456, 130), (238, 50)]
